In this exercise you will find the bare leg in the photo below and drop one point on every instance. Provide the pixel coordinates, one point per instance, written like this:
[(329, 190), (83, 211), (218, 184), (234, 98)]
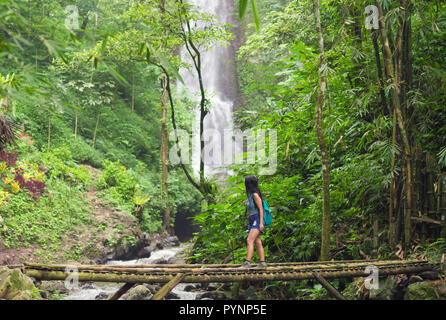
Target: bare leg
[(252, 236), (259, 246)]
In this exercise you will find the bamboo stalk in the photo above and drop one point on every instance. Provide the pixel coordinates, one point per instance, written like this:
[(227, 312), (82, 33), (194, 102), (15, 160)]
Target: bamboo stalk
[(330, 289), (248, 275), (118, 294), (200, 266), (168, 287), (159, 270)]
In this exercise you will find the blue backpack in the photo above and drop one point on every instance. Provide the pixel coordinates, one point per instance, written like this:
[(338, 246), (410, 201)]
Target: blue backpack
[(267, 217)]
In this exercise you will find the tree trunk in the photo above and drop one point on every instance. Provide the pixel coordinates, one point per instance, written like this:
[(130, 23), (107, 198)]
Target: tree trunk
[(96, 129), (133, 90), (75, 124), (380, 72), (396, 102), (164, 155), (393, 190), (49, 133), (442, 182), (325, 245)]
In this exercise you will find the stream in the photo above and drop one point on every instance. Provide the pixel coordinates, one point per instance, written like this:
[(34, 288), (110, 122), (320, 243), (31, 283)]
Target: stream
[(89, 291)]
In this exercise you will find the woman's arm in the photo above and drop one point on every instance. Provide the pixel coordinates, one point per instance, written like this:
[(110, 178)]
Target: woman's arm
[(259, 204)]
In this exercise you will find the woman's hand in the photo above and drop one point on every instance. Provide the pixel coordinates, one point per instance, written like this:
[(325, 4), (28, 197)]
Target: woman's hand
[(261, 226)]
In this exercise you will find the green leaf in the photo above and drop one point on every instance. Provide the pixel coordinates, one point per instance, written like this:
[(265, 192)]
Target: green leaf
[(255, 14), (242, 8)]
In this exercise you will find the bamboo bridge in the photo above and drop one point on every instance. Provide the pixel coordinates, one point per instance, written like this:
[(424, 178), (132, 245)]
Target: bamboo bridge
[(172, 274)]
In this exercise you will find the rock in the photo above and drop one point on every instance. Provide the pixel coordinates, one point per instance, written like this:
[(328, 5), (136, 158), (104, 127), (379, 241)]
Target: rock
[(101, 296), (189, 288), (146, 252), (153, 288), (420, 291), (172, 296), (88, 285), (170, 242), (212, 295), (14, 285), (430, 275), (54, 287), (139, 293), (160, 261), (414, 279), (204, 296)]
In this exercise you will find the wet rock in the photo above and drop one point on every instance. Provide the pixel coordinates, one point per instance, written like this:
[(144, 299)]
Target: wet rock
[(88, 285), (212, 295), (204, 295), (160, 261), (189, 288), (101, 296), (146, 252), (172, 296), (139, 293), (14, 285)]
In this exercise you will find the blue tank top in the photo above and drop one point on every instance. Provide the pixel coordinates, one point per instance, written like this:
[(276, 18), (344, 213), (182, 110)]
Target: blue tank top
[(250, 204)]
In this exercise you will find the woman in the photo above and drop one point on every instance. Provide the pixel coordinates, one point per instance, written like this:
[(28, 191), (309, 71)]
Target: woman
[(255, 221)]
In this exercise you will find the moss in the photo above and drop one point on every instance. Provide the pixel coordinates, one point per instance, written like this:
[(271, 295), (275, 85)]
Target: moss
[(420, 291)]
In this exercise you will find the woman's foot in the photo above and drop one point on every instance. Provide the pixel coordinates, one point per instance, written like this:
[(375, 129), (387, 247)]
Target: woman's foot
[(262, 264), (246, 265)]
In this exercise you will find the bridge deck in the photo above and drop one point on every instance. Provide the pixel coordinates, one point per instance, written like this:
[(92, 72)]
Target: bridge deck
[(224, 273)]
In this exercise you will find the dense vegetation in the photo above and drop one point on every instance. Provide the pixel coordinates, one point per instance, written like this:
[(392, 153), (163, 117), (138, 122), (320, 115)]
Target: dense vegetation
[(359, 113)]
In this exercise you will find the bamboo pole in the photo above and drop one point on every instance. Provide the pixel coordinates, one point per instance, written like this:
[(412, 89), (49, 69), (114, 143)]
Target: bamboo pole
[(249, 275), (330, 289), (118, 294), (221, 270), (201, 266), (168, 287)]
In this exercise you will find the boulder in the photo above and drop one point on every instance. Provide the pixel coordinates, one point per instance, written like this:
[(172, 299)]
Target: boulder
[(54, 287), (146, 252), (139, 293), (101, 296), (14, 285), (420, 291), (430, 275), (170, 242)]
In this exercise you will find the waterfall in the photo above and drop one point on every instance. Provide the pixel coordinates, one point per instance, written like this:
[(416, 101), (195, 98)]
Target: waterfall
[(220, 82)]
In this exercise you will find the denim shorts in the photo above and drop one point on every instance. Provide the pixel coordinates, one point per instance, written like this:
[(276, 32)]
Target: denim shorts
[(254, 222)]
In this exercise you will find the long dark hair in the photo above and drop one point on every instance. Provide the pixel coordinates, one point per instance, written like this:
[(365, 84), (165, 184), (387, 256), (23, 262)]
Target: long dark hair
[(252, 186)]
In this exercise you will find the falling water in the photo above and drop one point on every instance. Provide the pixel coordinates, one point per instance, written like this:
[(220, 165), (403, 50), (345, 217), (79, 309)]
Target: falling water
[(220, 83)]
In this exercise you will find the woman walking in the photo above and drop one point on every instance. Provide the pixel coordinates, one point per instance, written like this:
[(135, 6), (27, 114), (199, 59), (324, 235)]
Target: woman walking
[(255, 221)]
